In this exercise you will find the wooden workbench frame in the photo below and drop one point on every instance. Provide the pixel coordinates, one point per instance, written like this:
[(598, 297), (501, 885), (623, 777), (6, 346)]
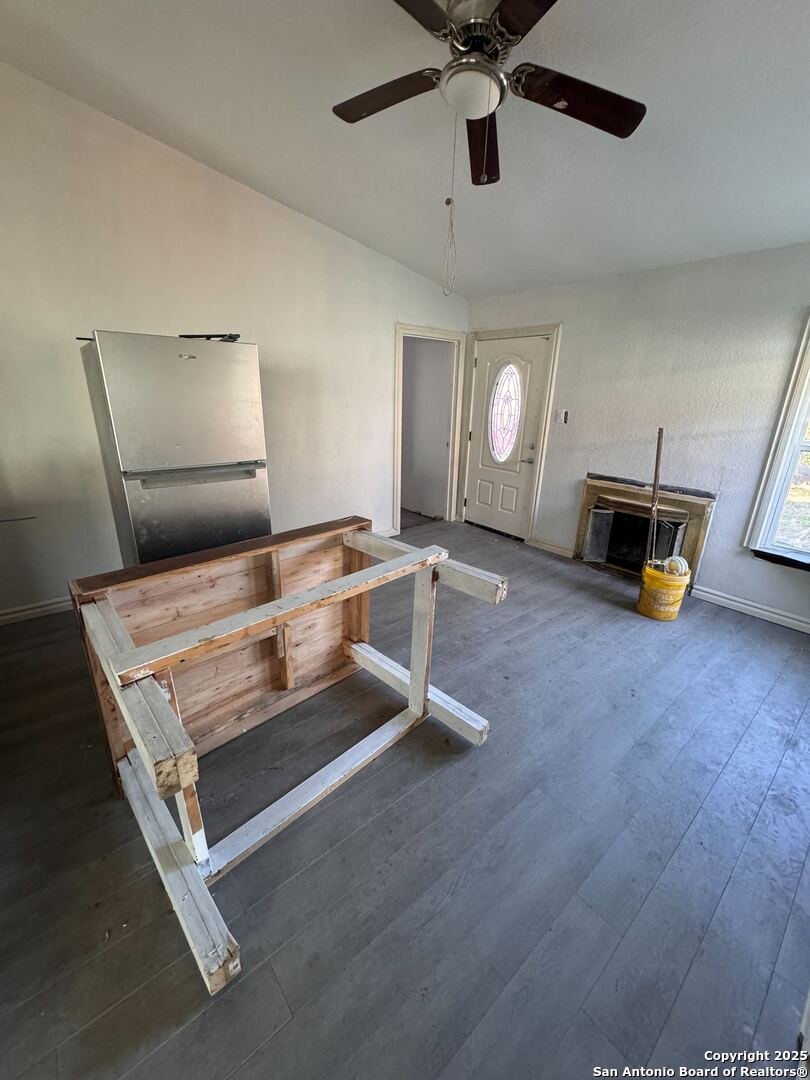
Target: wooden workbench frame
[(158, 758)]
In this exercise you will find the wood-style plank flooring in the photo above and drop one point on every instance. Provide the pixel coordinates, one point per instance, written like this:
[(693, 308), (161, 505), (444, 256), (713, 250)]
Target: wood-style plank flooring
[(618, 875)]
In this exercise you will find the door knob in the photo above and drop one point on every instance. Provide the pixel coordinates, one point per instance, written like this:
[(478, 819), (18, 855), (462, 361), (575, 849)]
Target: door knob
[(528, 460)]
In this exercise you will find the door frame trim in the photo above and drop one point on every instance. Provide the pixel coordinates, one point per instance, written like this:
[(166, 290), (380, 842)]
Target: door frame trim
[(551, 331), (431, 333)]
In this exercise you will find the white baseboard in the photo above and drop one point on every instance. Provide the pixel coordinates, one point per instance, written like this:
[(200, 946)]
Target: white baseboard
[(543, 546), (34, 611), (748, 607)]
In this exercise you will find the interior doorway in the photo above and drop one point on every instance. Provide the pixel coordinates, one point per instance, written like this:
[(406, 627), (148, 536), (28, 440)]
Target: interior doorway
[(428, 403), (513, 383)]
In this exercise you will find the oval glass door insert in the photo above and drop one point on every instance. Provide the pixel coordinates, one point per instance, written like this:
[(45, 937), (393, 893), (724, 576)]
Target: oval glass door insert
[(504, 413)]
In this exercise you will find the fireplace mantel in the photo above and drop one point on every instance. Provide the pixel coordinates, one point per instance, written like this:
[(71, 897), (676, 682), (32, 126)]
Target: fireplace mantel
[(687, 506)]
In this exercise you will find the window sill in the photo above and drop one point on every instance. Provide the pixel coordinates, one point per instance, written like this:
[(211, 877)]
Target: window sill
[(783, 558)]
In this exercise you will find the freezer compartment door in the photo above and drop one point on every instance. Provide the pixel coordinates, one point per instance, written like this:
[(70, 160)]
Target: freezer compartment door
[(174, 512), (176, 403)]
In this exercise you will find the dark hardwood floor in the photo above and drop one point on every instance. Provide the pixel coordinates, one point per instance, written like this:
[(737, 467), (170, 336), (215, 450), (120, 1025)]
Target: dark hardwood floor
[(409, 519), (617, 876)]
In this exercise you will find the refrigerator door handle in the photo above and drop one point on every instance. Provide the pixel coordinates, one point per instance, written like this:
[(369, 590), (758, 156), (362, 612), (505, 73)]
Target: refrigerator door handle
[(199, 474)]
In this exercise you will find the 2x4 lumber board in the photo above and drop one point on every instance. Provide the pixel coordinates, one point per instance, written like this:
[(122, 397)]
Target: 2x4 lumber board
[(275, 590), (234, 630), (283, 639), (157, 693), (166, 750), (466, 723), (84, 589), (191, 822), (359, 609), (115, 626), (424, 610), (467, 579), (287, 668), (269, 822), (114, 726), (188, 805), (211, 943)]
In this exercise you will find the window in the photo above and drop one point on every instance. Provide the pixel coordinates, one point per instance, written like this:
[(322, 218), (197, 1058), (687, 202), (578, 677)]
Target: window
[(504, 413), (780, 524), (792, 523)]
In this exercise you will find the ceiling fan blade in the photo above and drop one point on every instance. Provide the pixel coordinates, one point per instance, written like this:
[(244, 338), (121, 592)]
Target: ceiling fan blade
[(390, 93), (427, 12), (617, 115), (485, 167), (517, 17)]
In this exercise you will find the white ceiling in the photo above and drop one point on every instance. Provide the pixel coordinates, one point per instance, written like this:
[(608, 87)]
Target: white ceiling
[(720, 165)]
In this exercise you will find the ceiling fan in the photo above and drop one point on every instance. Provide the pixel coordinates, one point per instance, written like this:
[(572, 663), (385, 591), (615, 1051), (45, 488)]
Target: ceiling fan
[(481, 34)]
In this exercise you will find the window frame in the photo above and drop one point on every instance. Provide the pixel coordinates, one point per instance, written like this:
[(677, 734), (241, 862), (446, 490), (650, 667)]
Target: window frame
[(788, 442)]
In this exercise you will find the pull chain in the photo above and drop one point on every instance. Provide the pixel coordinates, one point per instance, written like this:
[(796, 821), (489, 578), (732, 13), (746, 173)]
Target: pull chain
[(486, 135), (449, 265)]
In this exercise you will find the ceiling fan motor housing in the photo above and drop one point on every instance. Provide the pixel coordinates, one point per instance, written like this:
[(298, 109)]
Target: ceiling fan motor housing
[(474, 30), (460, 12)]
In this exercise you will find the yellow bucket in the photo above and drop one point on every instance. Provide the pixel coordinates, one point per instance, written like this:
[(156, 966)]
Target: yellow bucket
[(661, 594)]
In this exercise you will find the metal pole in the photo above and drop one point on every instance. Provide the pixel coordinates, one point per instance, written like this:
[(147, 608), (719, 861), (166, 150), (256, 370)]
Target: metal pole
[(654, 498)]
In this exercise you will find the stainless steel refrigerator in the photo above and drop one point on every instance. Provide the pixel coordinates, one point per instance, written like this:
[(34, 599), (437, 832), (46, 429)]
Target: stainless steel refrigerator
[(182, 440)]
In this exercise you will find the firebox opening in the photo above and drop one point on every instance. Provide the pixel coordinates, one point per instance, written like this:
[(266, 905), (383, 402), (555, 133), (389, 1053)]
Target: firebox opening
[(615, 522)]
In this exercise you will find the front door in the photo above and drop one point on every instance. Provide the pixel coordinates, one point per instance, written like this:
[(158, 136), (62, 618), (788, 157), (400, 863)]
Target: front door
[(508, 406)]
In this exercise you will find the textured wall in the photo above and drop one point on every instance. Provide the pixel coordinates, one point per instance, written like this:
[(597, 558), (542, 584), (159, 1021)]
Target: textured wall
[(703, 350), (103, 227)]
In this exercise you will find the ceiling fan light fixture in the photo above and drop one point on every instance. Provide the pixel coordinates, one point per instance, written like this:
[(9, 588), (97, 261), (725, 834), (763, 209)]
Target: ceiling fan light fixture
[(472, 86)]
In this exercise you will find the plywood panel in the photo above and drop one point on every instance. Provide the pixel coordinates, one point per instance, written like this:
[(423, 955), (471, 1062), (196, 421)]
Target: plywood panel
[(153, 609), (208, 686), (304, 570)]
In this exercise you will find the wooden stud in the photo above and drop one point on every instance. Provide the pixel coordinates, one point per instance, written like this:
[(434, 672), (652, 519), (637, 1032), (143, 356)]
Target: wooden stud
[(274, 589), (179, 741), (188, 804), (235, 630), (424, 607), (274, 575), (211, 944), (281, 643), (191, 822), (165, 748), (466, 723), (358, 608), (248, 837), (287, 669), (110, 713), (116, 629), (467, 579)]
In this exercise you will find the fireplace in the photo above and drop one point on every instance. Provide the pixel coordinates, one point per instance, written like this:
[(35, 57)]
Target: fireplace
[(615, 518)]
